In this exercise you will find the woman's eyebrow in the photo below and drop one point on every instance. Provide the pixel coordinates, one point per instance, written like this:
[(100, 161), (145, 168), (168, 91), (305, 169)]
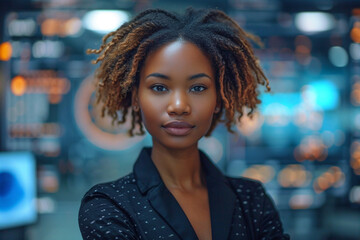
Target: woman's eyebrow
[(199, 75), (159, 75)]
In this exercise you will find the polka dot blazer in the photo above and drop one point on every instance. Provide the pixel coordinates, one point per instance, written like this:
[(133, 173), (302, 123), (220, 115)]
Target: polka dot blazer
[(139, 206)]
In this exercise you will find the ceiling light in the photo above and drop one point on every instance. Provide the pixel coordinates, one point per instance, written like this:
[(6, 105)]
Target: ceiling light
[(105, 21)]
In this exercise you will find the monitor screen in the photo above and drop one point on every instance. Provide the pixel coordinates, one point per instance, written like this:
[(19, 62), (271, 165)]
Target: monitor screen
[(17, 189)]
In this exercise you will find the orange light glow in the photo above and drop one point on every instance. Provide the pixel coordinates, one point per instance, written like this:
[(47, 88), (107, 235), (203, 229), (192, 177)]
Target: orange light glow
[(329, 177), (356, 12), (18, 85), (294, 175), (262, 173), (72, 26), (5, 51), (311, 148), (301, 49), (50, 183), (35, 130), (46, 81), (61, 27), (55, 98), (50, 27), (301, 201), (253, 174), (355, 157), (317, 188), (323, 183), (355, 163), (355, 94), (333, 177), (355, 34), (303, 40)]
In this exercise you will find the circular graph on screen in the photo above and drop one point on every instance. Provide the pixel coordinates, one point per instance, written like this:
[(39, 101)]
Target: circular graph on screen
[(11, 192), (99, 130)]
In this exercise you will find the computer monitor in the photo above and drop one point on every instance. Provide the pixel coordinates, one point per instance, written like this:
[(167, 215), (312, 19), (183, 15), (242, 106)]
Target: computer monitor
[(17, 189)]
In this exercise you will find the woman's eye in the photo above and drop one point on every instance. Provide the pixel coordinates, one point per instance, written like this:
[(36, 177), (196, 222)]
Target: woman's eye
[(158, 88), (197, 89)]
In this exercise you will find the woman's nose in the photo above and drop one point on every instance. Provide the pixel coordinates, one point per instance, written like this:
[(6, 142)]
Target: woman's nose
[(179, 104)]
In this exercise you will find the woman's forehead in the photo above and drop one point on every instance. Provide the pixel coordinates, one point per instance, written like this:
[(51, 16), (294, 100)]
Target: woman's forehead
[(178, 56)]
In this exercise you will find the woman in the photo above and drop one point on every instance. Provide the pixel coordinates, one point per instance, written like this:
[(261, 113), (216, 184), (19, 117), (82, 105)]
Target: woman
[(178, 75)]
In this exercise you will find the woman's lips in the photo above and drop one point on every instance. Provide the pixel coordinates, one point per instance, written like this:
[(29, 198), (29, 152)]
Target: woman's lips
[(178, 128)]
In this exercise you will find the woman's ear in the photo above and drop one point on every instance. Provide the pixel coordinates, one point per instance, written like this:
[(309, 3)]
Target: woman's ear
[(135, 100)]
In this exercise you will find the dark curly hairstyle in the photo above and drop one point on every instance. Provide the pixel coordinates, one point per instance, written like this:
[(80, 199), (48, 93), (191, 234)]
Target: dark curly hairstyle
[(237, 70)]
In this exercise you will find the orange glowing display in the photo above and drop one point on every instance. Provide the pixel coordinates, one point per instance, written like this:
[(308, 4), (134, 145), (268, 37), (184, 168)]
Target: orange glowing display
[(5, 51), (18, 85)]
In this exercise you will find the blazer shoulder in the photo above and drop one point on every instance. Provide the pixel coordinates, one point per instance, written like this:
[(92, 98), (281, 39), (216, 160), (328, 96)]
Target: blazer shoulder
[(246, 187), (122, 184)]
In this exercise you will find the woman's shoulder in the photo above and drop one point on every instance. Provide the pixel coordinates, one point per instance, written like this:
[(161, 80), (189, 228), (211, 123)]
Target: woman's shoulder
[(259, 208), (118, 188), (104, 210), (246, 188)]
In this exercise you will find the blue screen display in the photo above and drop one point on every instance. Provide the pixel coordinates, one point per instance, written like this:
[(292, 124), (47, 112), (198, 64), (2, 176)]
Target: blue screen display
[(17, 189)]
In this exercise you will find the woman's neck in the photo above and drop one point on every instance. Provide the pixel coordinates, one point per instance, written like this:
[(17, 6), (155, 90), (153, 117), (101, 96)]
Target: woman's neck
[(180, 169)]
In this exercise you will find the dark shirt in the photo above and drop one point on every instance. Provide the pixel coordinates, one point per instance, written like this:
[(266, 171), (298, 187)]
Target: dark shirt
[(139, 206)]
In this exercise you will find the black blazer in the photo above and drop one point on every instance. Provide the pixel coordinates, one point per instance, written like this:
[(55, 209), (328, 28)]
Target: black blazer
[(139, 206)]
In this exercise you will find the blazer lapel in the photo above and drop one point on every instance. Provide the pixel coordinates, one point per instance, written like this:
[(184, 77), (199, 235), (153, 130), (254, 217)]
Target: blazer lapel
[(160, 198), (222, 200), (166, 205)]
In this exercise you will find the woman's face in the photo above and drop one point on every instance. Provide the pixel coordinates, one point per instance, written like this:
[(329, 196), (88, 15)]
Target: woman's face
[(176, 95)]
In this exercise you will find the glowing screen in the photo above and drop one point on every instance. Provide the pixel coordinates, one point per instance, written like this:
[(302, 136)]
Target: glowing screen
[(17, 189)]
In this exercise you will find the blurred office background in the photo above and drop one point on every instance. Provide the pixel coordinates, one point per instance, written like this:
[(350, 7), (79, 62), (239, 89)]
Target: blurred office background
[(304, 144)]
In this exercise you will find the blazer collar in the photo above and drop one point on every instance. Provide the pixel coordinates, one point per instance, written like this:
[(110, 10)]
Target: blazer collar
[(145, 172), (221, 197)]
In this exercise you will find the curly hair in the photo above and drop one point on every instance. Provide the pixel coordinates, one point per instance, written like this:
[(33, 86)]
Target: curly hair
[(123, 53)]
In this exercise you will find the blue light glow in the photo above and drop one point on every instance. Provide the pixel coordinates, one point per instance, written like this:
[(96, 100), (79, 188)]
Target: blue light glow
[(326, 95), (17, 189), (288, 101)]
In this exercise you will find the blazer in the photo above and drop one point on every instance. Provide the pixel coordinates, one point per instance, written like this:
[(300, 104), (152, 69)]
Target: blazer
[(139, 206)]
